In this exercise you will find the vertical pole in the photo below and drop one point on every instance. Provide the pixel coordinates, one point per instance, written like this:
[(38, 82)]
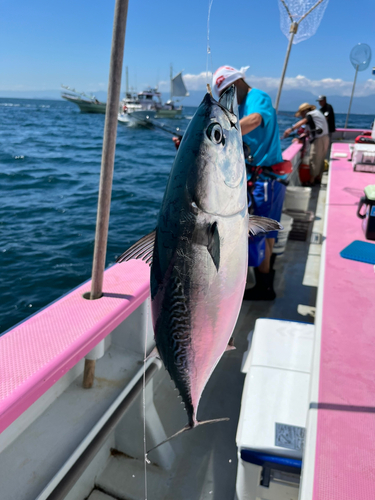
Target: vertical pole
[(108, 156), (127, 82), (351, 97), (293, 31), (109, 145)]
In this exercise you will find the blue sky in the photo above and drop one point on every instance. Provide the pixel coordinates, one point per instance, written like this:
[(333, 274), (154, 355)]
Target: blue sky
[(46, 43)]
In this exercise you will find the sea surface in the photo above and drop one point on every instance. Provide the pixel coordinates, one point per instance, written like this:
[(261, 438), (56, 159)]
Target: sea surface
[(50, 157)]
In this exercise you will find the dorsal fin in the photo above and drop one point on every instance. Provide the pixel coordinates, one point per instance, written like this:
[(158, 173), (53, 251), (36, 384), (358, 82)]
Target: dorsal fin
[(142, 249)]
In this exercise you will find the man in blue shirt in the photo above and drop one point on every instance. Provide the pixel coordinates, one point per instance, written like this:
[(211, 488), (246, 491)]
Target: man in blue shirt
[(260, 132)]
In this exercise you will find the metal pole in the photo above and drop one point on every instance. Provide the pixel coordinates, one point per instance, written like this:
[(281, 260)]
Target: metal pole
[(351, 97), (293, 31), (127, 82), (109, 145)]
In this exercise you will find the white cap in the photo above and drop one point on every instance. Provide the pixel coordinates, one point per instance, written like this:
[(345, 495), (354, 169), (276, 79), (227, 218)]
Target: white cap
[(225, 76)]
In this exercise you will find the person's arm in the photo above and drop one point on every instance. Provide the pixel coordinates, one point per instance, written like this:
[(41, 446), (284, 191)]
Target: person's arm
[(296, 126), (250, 122)]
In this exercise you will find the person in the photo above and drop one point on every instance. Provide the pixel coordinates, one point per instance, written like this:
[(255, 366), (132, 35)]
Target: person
[(317, 126), (260, 131), (328, 112)]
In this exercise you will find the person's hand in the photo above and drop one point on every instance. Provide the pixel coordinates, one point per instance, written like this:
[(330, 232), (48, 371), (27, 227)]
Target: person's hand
[(287, 132), (296, 139), (177, 142)]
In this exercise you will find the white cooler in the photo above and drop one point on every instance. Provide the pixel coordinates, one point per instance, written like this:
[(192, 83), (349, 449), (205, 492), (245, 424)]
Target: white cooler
[(275, 399)]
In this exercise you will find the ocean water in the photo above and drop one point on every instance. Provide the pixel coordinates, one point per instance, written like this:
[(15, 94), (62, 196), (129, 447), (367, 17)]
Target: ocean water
[(50, 159)]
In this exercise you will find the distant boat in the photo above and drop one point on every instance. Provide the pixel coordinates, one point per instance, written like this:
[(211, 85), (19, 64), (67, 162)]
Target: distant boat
[(150, 99), (178, 89), (87, 104)]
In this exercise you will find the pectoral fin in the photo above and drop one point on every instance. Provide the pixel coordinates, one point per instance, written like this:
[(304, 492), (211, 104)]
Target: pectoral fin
[(142, 249), (213, 246), (258, 225)]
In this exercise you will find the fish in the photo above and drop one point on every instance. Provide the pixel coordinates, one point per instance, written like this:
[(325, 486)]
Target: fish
[(198, 252)]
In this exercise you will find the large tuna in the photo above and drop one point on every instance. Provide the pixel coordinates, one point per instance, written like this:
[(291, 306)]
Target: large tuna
[(199, 249)]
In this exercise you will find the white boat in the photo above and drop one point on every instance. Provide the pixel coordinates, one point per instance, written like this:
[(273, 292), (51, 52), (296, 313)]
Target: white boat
[(87, 104), (137, 109), (150, 99)]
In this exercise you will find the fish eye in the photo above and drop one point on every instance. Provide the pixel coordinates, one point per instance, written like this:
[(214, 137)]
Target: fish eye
[(215, 133)]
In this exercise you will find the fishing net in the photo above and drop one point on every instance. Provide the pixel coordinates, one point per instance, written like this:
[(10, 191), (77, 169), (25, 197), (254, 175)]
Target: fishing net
[(360, 56), (293, 11)]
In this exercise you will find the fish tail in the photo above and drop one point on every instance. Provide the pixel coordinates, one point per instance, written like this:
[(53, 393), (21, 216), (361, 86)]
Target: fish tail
[(204, 422), (188, 427)]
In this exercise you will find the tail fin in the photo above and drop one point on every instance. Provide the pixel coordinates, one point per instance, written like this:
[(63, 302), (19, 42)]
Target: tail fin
[(186, 428)]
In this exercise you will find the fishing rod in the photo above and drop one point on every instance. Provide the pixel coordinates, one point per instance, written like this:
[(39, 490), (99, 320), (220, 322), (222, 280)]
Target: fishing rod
[(149, 123)]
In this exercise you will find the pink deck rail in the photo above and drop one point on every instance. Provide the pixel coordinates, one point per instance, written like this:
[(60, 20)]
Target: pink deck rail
[(345, 446), (39, 351)]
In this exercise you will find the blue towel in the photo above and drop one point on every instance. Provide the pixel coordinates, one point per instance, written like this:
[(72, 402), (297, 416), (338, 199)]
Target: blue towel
[(360, 250)]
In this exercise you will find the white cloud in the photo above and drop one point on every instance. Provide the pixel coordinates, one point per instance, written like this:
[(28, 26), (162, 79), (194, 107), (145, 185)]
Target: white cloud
[(332, 86)]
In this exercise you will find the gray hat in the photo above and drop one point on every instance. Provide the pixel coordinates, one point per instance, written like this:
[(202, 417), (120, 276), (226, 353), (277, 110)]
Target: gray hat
[(322, 98)]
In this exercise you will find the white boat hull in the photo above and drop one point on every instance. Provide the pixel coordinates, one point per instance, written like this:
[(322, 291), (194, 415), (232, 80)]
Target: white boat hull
[(139, 117), (87, 106)]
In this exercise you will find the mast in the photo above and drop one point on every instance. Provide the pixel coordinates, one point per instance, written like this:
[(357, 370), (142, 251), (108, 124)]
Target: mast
[(170, 77), (127, 82)]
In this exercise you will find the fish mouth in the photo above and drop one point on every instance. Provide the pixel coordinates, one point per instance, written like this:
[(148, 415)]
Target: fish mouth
[(228, 103)]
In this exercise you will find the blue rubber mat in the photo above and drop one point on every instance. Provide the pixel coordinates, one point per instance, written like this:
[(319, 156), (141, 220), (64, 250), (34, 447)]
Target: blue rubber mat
[(360, 250)]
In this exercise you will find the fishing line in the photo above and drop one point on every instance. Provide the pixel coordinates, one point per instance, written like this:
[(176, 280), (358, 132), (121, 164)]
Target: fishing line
[(209, 54)]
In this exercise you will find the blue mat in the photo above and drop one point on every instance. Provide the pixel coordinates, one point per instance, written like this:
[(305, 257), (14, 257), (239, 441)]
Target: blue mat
[(360, 250)]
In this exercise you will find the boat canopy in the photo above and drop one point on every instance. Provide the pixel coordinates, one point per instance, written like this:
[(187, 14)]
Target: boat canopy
[(178, 86)]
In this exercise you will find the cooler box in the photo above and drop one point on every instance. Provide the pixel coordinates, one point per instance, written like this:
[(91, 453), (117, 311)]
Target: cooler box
[(275, 401), (363, 157)]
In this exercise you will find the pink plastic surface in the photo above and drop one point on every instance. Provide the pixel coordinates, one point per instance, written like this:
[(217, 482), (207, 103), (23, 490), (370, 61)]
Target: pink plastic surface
[(345, 447), (39, 351), (292, 151)]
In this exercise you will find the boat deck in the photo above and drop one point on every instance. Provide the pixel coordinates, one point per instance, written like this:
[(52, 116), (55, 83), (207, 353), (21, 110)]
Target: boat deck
[(339, 456)]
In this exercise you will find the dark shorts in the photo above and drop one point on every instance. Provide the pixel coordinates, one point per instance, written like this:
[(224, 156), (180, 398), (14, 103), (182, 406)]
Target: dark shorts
[(268, 201)]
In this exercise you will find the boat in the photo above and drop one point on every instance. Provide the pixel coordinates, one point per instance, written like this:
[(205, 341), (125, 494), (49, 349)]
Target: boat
[(150, 99), (59, 440), (87, 104), (137, 109)]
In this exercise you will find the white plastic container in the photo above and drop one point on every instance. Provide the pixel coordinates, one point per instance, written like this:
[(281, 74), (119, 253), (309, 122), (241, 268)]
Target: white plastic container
[(274, 407), (282, 236), (297, 198)]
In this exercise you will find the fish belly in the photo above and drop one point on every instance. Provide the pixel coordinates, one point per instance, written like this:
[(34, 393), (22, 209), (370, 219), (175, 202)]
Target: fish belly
[(216, 300)]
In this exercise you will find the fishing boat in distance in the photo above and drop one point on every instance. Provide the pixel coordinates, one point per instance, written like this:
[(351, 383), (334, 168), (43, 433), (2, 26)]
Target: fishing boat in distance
[(178, 89), (86, 103), (150, 99)]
